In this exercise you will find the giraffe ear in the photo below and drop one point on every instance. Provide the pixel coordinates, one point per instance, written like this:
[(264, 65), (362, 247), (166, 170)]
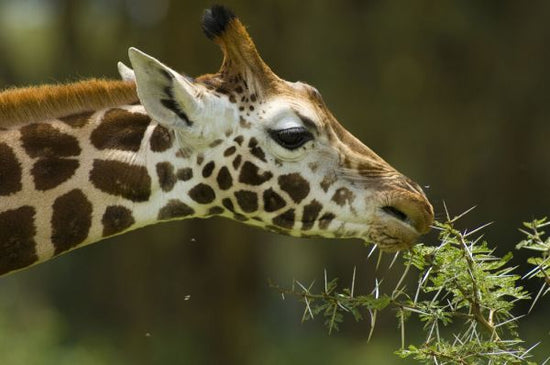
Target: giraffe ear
[(125, 72), (168, 97)]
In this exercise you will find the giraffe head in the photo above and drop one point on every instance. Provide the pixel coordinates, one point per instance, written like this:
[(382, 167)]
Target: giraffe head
[(272, 151)]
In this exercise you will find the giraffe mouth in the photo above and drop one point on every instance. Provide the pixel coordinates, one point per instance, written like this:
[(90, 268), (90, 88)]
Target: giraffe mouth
[(410, 213), (397, 214), (399, 225)]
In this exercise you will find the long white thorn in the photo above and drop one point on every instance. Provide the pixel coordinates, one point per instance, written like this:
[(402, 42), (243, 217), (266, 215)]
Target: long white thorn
[(393, 260), (371, 251), (353, 282)]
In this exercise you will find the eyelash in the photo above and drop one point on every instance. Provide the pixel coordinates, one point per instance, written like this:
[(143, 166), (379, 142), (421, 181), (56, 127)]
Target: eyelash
[(291, 138)]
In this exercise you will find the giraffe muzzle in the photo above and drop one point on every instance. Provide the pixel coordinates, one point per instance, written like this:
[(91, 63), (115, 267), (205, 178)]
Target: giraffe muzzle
[(401, 221)]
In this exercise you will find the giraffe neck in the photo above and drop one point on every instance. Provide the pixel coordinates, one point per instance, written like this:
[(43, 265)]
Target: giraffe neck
[(73, 181)]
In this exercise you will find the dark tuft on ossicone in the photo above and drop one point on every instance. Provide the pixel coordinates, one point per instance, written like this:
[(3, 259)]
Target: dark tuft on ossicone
[(215, 20)]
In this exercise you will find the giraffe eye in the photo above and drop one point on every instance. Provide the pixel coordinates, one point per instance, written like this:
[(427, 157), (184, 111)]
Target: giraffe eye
[(291, 138)]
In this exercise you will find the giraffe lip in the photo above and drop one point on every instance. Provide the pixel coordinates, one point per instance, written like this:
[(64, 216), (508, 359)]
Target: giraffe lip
[(399, 215), (396, 213), (394, 229)]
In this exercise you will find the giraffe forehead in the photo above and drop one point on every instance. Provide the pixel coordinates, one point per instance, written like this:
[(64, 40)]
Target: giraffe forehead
[(285, 102)]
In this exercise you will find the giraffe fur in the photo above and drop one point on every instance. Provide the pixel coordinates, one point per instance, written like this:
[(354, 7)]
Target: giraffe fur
[(98, 160)]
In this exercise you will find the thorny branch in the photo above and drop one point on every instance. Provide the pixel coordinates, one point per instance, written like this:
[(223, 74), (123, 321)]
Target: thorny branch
[(459, 281)]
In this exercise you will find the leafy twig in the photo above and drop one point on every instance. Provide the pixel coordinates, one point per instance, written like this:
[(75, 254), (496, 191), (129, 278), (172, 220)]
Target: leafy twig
[(460, 281)]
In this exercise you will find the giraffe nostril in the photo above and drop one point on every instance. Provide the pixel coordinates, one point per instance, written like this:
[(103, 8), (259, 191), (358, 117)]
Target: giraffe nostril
[(396, 213)]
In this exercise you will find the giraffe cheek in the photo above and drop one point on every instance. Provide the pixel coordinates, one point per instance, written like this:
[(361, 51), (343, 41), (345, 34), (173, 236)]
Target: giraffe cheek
[(311, 212), (272, 201), (247, 200), (224, 179), (202, 194), (295, 186), (285, 220)]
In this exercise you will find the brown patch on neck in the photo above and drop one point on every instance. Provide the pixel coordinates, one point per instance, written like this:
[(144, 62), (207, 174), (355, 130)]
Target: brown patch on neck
[(37, 103), (121, 130)]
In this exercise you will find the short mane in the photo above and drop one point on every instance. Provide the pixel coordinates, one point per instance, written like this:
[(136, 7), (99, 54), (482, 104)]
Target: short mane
[(36, 103)]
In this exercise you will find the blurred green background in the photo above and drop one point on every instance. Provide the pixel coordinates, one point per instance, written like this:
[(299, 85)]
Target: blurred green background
[(453, 94)]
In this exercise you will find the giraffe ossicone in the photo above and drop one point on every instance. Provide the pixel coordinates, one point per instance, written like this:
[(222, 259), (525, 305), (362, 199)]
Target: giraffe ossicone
[(85, 161)]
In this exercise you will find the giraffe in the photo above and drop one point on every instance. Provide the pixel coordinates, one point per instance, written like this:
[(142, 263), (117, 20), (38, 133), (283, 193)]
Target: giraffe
[(84, 161)]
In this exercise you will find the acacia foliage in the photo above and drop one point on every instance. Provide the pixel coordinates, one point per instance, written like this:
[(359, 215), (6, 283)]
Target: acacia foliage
[(466, 297)]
